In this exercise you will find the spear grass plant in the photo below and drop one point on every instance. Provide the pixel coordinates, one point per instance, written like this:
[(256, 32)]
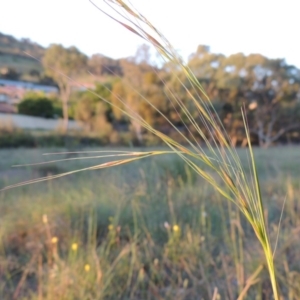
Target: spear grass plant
[(223, 169)]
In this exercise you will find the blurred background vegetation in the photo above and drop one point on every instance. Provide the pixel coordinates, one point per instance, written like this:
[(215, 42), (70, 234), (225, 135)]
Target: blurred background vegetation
[(267, 88)]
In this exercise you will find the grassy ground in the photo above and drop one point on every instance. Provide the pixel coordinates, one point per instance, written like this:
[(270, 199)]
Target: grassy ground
[(148, 230)]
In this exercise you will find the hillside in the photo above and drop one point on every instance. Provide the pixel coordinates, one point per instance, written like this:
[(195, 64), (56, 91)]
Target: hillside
[(11, 45), (14, 63)]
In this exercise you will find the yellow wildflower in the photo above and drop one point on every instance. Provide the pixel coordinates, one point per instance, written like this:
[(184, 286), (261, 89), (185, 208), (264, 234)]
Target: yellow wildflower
[(176, 228), (110, 227), (87, 267), (74, 246)]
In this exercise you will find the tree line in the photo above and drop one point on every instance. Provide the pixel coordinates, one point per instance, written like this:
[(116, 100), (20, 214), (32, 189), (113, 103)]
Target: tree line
[(267, 89)]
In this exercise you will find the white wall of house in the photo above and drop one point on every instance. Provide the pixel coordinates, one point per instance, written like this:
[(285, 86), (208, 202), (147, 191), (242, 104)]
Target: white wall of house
[(28, 122)]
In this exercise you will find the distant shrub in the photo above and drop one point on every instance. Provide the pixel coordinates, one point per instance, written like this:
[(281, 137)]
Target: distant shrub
[(38, 107), (36, 103), (7, 126), (12, 137), (9, 73), (16, 140), (24, 139)]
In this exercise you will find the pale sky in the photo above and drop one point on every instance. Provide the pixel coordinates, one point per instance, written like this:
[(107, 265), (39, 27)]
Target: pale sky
[(268, 27)]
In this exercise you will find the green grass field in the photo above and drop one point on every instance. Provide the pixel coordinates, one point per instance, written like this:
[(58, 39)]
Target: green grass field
[(147, 230)]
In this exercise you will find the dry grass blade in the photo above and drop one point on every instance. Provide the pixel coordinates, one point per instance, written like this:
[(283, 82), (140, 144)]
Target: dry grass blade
[(135, 156), (244, 192), (250, 281)]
